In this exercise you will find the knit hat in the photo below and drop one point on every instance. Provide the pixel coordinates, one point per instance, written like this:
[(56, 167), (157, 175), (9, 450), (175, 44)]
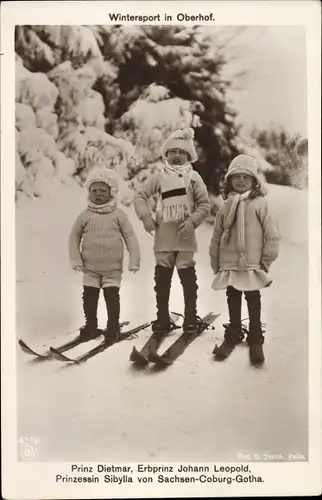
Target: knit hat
[(243, 164), (181, 139), (102, 174)]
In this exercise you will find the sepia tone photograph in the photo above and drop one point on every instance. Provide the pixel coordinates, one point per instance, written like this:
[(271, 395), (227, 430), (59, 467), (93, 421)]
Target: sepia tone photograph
[(110, 98), (161, 199)]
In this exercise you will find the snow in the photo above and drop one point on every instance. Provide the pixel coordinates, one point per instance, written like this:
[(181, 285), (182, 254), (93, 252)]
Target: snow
[(42, 138), (48, 121), (148, 114), (196, 410), (91, 111), (148, 121), (78, 41), (25, 117), (37, 91)]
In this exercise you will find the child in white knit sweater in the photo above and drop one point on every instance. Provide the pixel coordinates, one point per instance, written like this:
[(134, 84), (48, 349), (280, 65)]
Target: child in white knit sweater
[(96, 249)]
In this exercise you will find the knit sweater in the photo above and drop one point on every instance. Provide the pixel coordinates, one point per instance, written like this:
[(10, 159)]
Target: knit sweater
[(261, 239), (166, 233), (96, 241)]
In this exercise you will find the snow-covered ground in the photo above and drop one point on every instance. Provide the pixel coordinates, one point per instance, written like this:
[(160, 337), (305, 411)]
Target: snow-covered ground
[(196, 410)]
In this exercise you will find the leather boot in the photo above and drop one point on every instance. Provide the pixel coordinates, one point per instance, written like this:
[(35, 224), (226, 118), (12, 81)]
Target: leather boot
[(162, 278), (255, 338), (233, 330), (90, 303), (112, 300), (189, 284)]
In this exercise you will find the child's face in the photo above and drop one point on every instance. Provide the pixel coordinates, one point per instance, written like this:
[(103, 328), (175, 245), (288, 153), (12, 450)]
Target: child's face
[(177, 156), (241, 182), (99, 193)]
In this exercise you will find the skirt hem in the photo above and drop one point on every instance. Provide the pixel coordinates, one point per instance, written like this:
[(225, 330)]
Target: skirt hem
[(242, 280)]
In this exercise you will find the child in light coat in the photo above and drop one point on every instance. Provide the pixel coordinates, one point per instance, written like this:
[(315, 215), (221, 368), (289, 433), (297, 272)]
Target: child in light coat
[(96, 249), (182, 205), (243, 246)]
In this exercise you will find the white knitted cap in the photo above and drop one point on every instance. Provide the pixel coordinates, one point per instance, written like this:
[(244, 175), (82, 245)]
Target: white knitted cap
[(181, 139), (102, 174), (243, 164)]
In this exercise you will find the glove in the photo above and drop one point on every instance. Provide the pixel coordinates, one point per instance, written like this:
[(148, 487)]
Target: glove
[(185, 229), (265, 267), (149, 224)]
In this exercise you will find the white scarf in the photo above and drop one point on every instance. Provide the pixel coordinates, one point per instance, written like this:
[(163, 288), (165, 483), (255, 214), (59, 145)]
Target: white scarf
[(235, 210), (102, 209), (175, 180)]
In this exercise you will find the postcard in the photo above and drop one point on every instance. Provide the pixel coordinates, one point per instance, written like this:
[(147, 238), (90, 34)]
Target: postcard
[(160, 249)]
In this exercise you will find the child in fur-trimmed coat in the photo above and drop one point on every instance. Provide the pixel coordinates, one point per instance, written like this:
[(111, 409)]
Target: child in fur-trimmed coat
[(244, 244), (182, 206)]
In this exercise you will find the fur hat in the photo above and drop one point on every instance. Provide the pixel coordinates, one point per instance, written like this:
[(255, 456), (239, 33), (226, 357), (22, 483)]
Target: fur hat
[(181, 139), (244, 164), (102, 174)]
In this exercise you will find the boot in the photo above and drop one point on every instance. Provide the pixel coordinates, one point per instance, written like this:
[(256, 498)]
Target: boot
[(162, 278), (188, 280), (255, 338), (90, 302), (112, 300), (233, 330)]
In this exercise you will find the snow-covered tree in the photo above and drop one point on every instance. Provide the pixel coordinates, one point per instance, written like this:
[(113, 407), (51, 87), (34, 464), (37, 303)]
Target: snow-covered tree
[(115, 88), (60, 122), (287, 154), (187, 63)]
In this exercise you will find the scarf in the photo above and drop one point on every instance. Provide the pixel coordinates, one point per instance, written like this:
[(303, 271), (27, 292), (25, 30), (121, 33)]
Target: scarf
[(174, 182), (235, 210), (102, 209)]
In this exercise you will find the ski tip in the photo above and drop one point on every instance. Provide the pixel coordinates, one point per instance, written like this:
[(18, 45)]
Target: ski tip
[(59, 356), (23, 345), (212, 316), (160, 362), (209, 319), (137, 358), (218, 355), (133, 353), (156, 359), (30, 351)]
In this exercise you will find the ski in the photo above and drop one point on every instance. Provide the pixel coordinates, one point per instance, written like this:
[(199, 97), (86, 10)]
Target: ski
[(140, 358), (62, 348), (180, 345), (99, 348), (228, 348)]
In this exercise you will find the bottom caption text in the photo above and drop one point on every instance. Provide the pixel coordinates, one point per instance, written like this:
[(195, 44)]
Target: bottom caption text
[(145, 473)]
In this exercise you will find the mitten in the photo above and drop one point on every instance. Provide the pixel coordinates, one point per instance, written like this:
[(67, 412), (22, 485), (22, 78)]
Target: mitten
[(186, 229), (149, 224)]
